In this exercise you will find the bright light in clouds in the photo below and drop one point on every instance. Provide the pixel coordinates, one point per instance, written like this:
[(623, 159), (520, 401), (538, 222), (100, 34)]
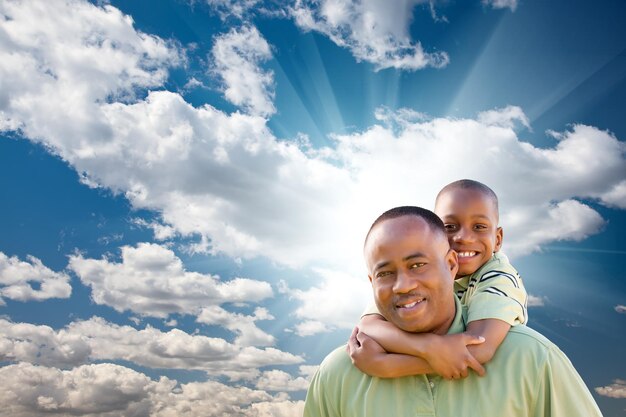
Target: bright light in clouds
[(17, 279), (371, 30)]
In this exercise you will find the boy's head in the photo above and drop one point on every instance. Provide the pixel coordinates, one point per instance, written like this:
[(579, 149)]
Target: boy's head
[(469, 210)]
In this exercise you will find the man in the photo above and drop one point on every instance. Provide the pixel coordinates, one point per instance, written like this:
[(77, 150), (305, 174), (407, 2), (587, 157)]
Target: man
[(411, 268)]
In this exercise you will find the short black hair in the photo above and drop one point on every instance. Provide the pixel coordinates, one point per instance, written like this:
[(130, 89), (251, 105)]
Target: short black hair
[(466, 184), (433, 221)]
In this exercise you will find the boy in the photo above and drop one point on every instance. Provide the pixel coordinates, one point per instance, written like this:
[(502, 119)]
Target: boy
[(485, 283)]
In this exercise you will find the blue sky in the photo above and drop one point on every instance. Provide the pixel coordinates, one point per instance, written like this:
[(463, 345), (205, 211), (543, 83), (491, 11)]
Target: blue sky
[(186, 185)]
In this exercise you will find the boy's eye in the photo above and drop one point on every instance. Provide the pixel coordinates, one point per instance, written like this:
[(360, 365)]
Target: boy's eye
[(480, 226), (450, 227)]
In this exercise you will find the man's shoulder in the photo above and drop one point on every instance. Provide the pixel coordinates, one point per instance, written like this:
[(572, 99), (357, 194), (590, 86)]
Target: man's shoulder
[(338, 361), (528, 342)]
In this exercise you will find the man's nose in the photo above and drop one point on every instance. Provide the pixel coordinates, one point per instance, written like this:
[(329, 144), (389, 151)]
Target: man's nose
[(404, 283)]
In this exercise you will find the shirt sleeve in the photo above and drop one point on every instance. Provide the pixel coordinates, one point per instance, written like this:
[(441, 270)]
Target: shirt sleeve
[(371, 309), (498, 295), (562, 392)]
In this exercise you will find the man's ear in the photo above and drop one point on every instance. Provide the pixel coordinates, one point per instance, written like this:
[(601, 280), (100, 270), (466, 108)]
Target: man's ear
[(370, 278), (499, 237), (453, 262)]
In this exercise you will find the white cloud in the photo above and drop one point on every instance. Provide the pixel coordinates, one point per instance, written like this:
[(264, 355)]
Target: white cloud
[(236, 8), (51, 53), (505, 117), (247, 332), (98, 340), (41, 345), (310, 327), (620, 309), (103, 389), (535, 301), (236, 58), (501, 4), (616, 390), (276, 380), (17, 279), (370, 29), (109, 390), (151, 280)]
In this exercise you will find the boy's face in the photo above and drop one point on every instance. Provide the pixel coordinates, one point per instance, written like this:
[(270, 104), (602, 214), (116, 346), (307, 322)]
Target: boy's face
[(411, 268), (471, 221)]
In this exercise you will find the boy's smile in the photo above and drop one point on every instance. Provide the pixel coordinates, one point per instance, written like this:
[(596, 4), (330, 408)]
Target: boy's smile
[(471, 221)]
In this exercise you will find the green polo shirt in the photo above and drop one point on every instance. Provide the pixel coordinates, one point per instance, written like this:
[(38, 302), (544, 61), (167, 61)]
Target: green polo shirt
[(528, 376), (494, 291)]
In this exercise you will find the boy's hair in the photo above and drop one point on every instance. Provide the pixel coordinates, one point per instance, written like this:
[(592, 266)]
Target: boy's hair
[(433, 221), (466, 184)]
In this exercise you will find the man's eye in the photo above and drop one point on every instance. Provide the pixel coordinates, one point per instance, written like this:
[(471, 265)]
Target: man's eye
[(383, 274), (417, 265)]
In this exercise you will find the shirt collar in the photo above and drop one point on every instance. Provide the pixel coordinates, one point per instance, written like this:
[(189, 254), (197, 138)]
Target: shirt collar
[(459, 324)]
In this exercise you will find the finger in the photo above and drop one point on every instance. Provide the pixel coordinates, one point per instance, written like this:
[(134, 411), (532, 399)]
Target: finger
[(463, 373), (470, 339), (353, 337), (476, 366), (362, 338)]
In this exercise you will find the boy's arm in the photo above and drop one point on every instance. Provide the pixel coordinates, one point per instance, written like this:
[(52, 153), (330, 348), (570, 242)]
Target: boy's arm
[(372, 359), (446, 355), (494, 331)]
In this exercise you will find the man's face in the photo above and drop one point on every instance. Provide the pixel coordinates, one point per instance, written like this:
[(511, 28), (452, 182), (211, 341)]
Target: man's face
[(471, 221), (411, 269)]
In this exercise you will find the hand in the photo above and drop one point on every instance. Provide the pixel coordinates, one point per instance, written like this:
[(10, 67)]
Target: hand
[(366, 354), (449, 357)]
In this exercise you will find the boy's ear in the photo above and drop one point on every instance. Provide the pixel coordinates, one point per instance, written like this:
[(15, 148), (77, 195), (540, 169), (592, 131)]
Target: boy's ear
[(499, 237), (453, 262)]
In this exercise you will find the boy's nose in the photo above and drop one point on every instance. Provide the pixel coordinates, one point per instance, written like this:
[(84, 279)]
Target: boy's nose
[(463, 235)]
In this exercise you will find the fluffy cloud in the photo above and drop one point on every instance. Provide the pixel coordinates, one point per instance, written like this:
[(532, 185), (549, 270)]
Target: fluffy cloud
[(371, 30), (31, 280), (276, 380), (236, 8), (109, 390), (49, 57), (247, 332), (98, 340), (501, 4), (151, 280), (534, 301), (616, 390), (104, 389), (236, 57), (41, 345)]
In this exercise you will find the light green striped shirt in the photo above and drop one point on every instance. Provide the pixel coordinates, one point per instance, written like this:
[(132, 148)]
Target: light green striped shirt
[(528, 376)]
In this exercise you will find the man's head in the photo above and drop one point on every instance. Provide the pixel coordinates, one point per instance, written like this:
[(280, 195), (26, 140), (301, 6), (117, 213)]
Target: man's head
[(411, 268), (469, 210)]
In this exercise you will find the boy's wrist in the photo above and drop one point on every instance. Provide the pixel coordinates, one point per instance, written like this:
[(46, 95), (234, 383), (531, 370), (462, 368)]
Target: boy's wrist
[(425, 345)]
